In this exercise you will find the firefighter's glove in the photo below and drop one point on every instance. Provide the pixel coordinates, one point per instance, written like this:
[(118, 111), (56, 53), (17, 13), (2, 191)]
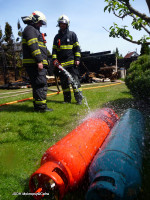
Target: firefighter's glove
[(77, 62), (56, 63), (40, 66)]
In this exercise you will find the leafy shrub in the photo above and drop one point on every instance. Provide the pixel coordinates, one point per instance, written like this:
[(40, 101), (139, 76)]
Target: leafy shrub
[(138, 78)]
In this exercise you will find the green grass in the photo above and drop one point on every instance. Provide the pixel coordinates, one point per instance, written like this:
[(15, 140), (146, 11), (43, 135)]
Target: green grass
[(26, 135)]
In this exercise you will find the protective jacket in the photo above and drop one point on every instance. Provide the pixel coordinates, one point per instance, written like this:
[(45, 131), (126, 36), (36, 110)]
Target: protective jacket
[(34, 48), (66, 48), (35, 51)]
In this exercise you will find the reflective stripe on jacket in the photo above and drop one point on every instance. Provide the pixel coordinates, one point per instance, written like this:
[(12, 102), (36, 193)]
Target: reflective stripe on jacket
[(34, 48), (66, 48)]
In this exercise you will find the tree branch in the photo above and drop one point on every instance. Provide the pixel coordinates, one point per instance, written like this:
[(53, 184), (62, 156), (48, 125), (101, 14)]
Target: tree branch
[(105, 29), (141, 25), (134, 11), (134, 42), (148, 4), (121, 17), (129, 40)]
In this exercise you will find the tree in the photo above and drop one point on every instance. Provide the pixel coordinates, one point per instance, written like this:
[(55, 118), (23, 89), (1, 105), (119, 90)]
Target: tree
[(1, 34), (145, 49), (10, 51), (8, 33), (3, 57), (138, 75), (20, 30), (9, 48), (116, 52), (138, 78), (19, 43), (139, 21)]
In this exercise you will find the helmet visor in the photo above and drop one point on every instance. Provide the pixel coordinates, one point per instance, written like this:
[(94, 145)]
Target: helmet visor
[(43, 22), (64, 21)]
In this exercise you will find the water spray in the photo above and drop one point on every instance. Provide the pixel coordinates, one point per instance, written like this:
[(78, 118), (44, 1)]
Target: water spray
[(72, 81)]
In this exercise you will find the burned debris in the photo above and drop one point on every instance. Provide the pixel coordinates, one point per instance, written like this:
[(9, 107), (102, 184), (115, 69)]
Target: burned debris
[(97, 67)]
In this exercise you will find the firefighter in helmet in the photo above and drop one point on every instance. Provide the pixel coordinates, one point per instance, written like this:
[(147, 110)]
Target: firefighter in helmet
[(66, 50), (35, 58)]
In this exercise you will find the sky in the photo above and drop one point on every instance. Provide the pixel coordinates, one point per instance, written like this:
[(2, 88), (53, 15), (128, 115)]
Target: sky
[(87, 19)]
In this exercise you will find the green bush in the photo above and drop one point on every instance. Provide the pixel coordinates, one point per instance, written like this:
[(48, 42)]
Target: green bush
[(138, 78)]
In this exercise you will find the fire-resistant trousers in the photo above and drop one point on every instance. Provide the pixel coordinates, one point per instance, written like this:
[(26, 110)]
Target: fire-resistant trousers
[(39, 86)]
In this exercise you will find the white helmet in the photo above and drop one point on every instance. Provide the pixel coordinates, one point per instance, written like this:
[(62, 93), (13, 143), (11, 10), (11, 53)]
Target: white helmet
[(35, 17), (63, 19)]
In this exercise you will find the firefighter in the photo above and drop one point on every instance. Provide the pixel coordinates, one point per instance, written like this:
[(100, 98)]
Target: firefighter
[(66, 50), (35, 58)]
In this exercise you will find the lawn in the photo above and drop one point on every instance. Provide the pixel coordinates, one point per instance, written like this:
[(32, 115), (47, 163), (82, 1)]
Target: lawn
[(26, 135)]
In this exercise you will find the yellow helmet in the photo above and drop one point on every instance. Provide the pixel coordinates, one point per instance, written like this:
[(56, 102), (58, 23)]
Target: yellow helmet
[(63, 19), (35, 17)]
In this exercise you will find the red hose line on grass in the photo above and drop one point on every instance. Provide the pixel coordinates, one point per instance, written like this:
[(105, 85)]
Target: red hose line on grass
[(9, 103), (16, 101), (13, 102)]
